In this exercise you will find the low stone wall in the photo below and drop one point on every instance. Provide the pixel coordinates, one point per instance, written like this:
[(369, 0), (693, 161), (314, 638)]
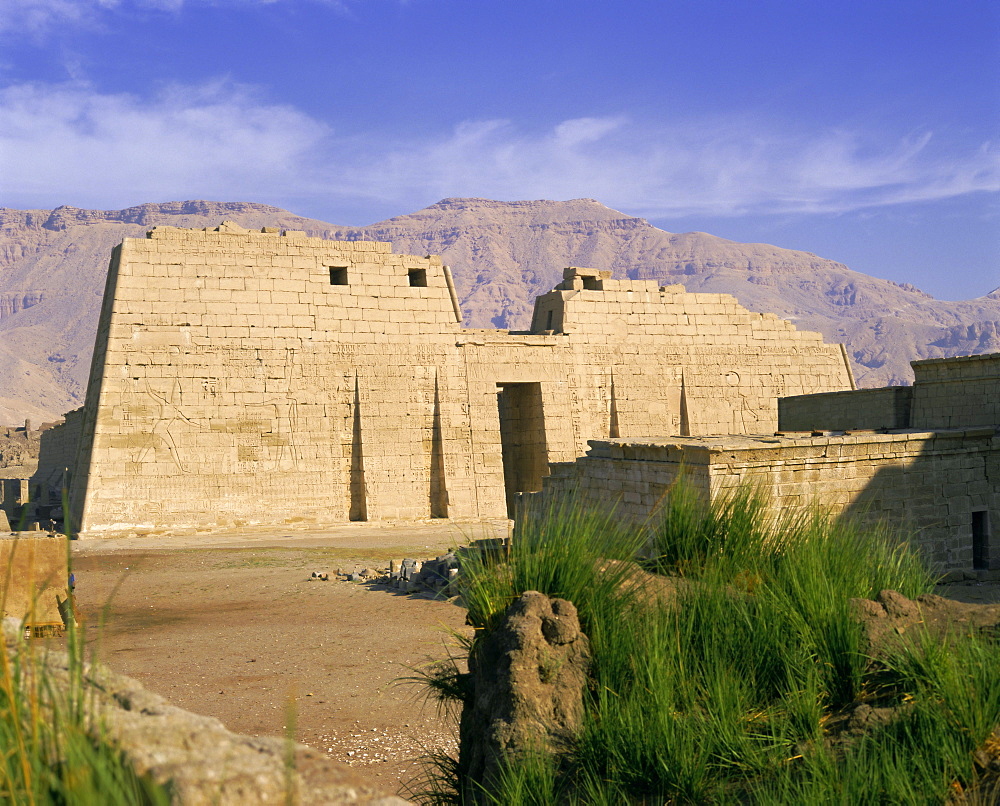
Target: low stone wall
[(194, 757), (932, 485), (863, 409), (956, 392)]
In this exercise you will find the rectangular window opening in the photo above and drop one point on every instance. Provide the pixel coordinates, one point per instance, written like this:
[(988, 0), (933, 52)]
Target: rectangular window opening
[(981, 540), (592, 284), (338, 275), (548, 320), (417, 278)]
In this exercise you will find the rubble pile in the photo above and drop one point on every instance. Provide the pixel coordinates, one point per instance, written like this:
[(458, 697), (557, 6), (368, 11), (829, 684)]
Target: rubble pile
[(436, 576)]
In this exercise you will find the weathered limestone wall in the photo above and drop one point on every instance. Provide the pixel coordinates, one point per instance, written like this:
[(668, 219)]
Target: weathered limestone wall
[(270, 378), (844, 411), (926, 483), (255, 377), (686, 363), (57, 457)]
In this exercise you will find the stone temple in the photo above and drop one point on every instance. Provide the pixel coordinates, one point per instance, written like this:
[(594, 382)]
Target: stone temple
[(924, 459), (269, 378)]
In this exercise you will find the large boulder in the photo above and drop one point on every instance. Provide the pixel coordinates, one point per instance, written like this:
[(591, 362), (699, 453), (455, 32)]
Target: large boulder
[(891, 616), (526, 696)]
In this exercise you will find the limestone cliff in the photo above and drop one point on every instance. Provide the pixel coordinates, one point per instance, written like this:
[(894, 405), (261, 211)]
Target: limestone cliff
[(503, 254)]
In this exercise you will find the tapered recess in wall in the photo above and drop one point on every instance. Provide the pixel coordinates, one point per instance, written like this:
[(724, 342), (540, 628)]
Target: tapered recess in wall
[(685, 420), (359, 496), (613, 431), (439, 487)]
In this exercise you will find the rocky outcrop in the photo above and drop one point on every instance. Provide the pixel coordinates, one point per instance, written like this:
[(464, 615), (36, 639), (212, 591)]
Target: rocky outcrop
[(891, 617), (527, 680), (195, 758), (12, 303)]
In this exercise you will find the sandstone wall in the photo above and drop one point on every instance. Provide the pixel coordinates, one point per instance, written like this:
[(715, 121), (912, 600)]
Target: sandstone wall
[(928, 484), (267, 378), (686, 363), (955, 392), (264, 377), (35, 578), (844, 411), (57, 457)]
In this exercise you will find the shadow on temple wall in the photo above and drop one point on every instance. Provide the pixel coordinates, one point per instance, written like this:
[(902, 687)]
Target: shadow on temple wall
[(939, 498)]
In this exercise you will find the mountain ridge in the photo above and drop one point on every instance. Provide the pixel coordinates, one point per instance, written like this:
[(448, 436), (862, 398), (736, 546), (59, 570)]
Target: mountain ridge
[(503, 254)]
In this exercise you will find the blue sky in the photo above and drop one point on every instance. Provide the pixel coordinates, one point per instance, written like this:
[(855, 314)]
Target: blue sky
[(867, 132)]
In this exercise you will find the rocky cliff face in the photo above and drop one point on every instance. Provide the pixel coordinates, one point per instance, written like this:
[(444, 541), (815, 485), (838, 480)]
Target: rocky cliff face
[(503, 254)]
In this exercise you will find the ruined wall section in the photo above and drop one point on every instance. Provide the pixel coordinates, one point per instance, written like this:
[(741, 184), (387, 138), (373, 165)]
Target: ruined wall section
[(951, 392), (928, 485), (678, 363), (264, 377)]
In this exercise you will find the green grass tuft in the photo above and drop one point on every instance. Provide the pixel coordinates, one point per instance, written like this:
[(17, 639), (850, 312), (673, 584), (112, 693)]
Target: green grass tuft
[(724, 692)]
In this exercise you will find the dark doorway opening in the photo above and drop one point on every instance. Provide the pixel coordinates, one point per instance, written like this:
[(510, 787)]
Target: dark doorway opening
[(981, 540), (522, 440)]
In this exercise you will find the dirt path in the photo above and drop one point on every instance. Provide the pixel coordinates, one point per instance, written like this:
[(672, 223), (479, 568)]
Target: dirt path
[(232, 626)]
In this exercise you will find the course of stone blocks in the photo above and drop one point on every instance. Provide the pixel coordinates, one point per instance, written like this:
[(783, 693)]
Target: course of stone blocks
[(266, 378), (935, 474)]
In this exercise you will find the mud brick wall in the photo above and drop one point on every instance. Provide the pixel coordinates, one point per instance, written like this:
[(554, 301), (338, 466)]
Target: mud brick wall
[(268, 378)]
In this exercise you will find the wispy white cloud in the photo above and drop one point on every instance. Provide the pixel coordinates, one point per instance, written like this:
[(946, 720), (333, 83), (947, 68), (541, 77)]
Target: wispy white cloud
[(43, 17), (716, 167), (213, 140), (72, 144)]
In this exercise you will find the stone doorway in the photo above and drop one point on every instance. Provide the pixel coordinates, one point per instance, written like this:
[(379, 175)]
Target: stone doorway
[(522, 440)]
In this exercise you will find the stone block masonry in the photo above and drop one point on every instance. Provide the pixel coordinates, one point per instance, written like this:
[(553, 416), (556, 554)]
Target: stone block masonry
[(35, 587), (925, 460), (269, 378)]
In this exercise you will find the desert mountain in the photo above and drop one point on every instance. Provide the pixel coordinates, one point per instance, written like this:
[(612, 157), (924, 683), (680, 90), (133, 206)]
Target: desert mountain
[(502, 254)]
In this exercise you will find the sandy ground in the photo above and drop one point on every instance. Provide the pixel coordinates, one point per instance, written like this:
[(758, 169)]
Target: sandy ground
[(233, 626)]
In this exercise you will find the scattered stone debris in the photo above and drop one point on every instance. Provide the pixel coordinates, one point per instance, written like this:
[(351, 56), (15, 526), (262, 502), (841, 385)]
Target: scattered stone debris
[(368, 747), (435, 577)]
